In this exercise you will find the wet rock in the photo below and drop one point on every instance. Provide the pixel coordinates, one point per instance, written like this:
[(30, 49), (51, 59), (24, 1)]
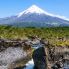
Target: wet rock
[(44, 41), (39, 58), (57, 65)]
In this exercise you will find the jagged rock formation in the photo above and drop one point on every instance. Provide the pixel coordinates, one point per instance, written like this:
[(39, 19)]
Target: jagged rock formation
[(51, 58), (39, 57)]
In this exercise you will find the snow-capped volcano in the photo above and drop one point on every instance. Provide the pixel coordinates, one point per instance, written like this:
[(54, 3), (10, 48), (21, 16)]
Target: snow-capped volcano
[(34, 9), (38, 10), (35, 17)]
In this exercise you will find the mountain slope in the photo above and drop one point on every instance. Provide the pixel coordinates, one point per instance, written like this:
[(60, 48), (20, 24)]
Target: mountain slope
[(35, 17)]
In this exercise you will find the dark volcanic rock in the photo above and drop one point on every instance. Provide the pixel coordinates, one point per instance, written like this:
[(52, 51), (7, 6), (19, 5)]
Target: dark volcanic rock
[(39, 58)]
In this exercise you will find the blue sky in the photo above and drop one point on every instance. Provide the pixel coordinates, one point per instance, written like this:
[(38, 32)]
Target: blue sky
[(13, 7)]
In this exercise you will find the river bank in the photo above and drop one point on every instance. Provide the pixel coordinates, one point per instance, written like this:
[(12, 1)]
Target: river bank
[(16, 54)]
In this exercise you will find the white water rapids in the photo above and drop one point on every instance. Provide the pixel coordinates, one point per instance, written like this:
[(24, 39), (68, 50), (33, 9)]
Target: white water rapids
[(30, 64)]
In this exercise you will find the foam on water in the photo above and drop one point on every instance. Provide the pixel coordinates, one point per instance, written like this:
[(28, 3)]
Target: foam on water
[(30, 65)]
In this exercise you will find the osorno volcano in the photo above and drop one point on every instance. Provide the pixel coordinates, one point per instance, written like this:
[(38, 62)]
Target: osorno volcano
[(35, 17)]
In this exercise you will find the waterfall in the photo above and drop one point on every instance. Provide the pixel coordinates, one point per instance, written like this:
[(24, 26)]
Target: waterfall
[(30, 64)]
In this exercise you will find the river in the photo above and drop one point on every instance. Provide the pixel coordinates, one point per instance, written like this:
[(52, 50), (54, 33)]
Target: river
[(30, 64), (18, 53)]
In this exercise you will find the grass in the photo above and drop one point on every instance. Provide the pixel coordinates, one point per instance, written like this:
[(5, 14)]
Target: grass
[(51, 34)]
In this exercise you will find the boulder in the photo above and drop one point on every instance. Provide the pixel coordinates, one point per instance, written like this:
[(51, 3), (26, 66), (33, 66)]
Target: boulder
[(39, 58)]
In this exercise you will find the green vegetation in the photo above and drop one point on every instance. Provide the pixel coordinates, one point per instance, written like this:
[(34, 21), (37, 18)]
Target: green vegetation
[(55, 35)]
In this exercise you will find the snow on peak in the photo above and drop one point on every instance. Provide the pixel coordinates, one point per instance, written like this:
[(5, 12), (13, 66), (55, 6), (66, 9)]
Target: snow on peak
[(34, 9)]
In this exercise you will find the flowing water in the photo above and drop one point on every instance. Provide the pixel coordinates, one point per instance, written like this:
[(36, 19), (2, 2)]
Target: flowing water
[(66, 65), (6, 57), (30, 64)]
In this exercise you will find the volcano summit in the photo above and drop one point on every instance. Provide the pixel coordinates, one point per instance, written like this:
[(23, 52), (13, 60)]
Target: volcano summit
[(35, 17)]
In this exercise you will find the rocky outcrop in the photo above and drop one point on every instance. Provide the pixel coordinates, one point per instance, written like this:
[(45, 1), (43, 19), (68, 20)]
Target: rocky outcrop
[(11, 55), (45, 57), (39, 58)]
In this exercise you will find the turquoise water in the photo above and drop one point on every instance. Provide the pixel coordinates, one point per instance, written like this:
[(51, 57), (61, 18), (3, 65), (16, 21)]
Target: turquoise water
[(30, 64), (66, 66)]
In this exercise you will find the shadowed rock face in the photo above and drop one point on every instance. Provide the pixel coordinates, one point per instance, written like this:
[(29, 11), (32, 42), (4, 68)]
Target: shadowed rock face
[(39, 58)]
